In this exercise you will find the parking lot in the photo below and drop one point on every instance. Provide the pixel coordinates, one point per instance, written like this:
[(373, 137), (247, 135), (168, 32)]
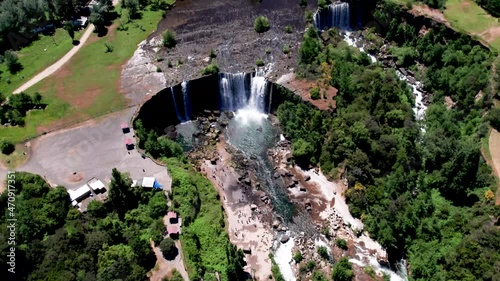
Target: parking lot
[(92, 149)]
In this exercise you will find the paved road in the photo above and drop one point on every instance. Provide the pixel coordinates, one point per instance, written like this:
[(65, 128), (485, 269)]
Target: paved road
[(92, 149), (494, 144)]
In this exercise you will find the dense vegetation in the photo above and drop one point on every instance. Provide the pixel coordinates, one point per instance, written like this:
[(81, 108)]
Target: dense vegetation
[(421, 188), (205, 244), (57, 242), (491, 6), (14, 111)]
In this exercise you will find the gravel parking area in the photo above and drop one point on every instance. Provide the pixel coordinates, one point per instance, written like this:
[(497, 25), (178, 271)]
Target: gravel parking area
[(92, 149)]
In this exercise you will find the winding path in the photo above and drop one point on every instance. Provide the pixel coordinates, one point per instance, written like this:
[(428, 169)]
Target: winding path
[(494, 143), (58, 64), (53, 68)]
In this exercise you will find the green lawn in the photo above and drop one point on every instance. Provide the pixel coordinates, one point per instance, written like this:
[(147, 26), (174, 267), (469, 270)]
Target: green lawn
[(87, 86), (468, 17), (34, 59)]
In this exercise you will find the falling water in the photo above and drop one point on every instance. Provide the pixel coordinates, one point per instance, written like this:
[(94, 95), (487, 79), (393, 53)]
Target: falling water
[(185, 97), (175, 104), (258, 93), (334, 15), (233, 91)]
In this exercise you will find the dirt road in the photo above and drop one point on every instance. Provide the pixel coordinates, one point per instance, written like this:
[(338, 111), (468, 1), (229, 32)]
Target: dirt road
[(53, 68), (494, 144)]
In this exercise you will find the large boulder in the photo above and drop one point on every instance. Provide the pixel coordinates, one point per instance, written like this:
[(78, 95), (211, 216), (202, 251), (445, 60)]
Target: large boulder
[(284, 238)]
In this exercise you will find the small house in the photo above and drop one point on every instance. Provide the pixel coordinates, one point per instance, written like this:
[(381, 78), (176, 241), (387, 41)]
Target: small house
[(97, 185), (129, 144), (79, 194), (173, 231)]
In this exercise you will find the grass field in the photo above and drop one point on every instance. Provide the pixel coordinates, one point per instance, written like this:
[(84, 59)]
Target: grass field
[(87, 86), (34, 59), (468, 17)]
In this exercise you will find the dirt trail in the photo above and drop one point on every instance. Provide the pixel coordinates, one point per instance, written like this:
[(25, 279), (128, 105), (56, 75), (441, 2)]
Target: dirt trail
[(58, 64), (494, 143)]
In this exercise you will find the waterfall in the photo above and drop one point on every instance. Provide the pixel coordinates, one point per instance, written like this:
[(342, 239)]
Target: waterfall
[(233, 91), (175, 104), (334, 15), (185, 97), (258, 93)]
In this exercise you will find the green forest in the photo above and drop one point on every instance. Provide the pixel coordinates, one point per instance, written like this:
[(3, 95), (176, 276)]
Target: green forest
[(111, 241), (422, 188)]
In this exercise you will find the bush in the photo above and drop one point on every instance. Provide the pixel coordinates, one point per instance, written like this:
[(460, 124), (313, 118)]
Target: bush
[(297, 257), (169, 39), (12, 61), (323, 252), (315, 93), (259, 63), (494, 118), (303, 3), (212, 54), (210, 69), (341, 243), (109, 48), (7, 147), (261, 24), (308, 16), (158, 69), (342, 271), (322, 4), (288, 29), (167, 247), (286, 49)]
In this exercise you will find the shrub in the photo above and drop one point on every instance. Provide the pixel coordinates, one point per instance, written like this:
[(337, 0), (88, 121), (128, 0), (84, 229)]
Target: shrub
[(494, 118), (158, 69), (212, 54), (322, 4), (12, 61), (109, 48), (169, 64), (288, 29), (169, 39), (167, 247), (261, 24), (7, 147), (297, 257), (268, 50), (342, 271), (286, 49), (341, 243), (322, 252), (210, 69), (303, 3), (325, 231), (308, 16), (315, 94), (259, 62)]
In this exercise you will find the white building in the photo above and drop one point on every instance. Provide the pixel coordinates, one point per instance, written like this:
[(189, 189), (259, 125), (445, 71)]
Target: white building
[(79, 194), (148, 182), (97, 185)]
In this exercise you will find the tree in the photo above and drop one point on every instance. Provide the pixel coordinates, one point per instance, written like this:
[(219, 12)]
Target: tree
[(37, 98), (315, 94), (323, 252), (303, 152), (494, 118), (342, 271), (310, 48), (98, 14), (121, 197), (114, 262), (12, 61), (169, 40), (133, 7), (21, 102), (68, 26), (261, 24), (168, 248), (6, 147), (175, 276)]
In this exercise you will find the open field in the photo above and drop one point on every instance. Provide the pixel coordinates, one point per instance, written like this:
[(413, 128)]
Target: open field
[(36, 57), (87, 86), (464, 16)]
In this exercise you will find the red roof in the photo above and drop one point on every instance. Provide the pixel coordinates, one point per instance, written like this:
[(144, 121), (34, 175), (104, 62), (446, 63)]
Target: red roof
[(124, 125), (171, 215), (173, 229), (128, 141)]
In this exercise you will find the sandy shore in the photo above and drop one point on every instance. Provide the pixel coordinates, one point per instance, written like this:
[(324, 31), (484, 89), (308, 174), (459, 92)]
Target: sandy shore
[(245, 229)]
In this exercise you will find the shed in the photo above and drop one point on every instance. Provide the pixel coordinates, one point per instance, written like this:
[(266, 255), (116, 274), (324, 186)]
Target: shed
[(97, 185), (129, 144), (125, 128), (173, 231), (148, 182), (79, 194), (172, 217)]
